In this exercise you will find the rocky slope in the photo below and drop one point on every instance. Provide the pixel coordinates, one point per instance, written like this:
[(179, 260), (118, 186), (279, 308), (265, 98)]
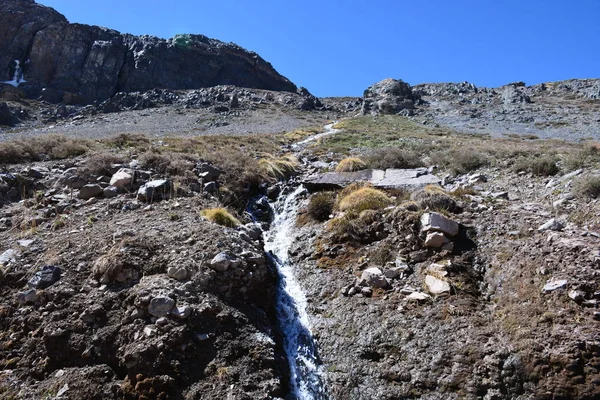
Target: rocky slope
[(566, 109), (76, 63)]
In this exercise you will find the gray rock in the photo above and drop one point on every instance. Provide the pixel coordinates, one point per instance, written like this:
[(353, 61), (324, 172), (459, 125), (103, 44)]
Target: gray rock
[(221, 262), (160, 306), (551, 225), (208, 172), (373, 277), (178, 273), (389, 96), (418, 296), (8, 256), (110, 192), (554, 285), (211, 187), (89, 191), (438, 223), (154, 191), (253, 230), (123, 178), (576, 295), (435, 240), (181, 312), (28, 296), (411, 179), (436, 285)]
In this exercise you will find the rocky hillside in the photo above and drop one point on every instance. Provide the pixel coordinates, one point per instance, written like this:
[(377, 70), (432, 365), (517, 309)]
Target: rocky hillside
[(567, 109), (74, 63)]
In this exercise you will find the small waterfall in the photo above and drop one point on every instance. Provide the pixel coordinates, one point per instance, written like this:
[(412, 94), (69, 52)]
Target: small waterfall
[(306, 372), (18, 75)]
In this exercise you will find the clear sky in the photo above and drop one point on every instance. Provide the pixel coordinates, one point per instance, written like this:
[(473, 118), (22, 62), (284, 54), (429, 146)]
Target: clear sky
[(337, 48)]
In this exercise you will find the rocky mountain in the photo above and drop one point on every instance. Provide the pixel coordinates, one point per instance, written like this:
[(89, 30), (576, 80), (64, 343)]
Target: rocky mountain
[(565, 109), (44, 54)]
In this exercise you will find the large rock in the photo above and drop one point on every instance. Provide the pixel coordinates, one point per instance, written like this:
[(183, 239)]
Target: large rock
[(373, 277), (154, 191), (160, 306), (436, 222), (390, 96), (410, 179), (88, 63), (123, 178), (221, 262), (89, 191)]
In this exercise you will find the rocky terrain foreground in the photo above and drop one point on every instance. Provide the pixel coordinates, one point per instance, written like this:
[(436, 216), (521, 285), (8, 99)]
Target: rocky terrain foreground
[(226, 235)]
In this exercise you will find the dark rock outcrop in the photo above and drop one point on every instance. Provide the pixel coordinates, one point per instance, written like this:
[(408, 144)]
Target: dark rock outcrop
[(389, 96), (81, 63)]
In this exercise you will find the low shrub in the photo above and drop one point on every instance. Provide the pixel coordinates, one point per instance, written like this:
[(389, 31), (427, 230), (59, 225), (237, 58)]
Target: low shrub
[(350, 164), (460, 161), (587, 186), (53, 147), (220, 216), (393, 157), (273, 168), (435, 198), (542, 166), (320, 205), (101, 163), (364, 198)]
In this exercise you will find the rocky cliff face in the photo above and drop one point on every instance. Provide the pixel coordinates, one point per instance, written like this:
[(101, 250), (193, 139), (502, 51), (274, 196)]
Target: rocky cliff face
[(60, 59)]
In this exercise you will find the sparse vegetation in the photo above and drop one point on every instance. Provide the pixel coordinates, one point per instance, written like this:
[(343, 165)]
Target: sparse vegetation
[(51, 147), (542, 166), (393, 157), (363, 198), (277, 168), (460, 161), (350, 164), (220, 216), (587, 186), (320, 205)]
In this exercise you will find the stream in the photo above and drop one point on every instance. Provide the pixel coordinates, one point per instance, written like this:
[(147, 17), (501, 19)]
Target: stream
[(306, 371)]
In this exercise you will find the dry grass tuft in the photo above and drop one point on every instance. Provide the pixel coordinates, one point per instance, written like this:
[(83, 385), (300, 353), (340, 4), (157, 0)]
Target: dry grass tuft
[(587, 186), (351, 164), (364, 198), (273, 168), (393, 157), (320, 205), (220, 216), (53, 147)]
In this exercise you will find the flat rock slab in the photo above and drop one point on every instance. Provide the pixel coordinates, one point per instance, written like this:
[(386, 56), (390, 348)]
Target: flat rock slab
[(412, 179)]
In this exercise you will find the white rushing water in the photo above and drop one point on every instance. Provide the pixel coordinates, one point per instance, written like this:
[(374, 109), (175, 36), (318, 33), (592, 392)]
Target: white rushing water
[(329, 130), (306, 372), (18, 77)]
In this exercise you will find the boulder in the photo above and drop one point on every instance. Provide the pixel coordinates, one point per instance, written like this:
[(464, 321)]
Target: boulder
[(160, 306), (436, 222), (553, 285), (45, 277), (123, 178), (409, 179), (373, 277), (211, 187), (155, 191), (89, 191), (221, 262), (435, 240), (178, 273), (207, 171), (551, 225), (389, 96), (436, 285)]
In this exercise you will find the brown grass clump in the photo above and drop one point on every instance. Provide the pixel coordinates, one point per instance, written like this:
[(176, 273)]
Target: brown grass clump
[(434, 198), (350, 164), (393, 157), (220, 216), (543, 166), (320, 205), (273, 168), (53, 147), (587, 186), (461, 161), (101, 163), (364, 198)]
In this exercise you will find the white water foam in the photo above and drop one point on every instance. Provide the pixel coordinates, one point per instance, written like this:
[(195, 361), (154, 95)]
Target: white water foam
[(18, 77), (306, 372), (329, 130)]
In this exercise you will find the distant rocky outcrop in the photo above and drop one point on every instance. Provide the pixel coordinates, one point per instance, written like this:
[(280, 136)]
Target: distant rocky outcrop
[(390, 96), (45, 55)]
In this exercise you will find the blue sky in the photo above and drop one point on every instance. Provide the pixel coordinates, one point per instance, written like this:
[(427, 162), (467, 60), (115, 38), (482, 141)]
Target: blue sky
[(337, 48)]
